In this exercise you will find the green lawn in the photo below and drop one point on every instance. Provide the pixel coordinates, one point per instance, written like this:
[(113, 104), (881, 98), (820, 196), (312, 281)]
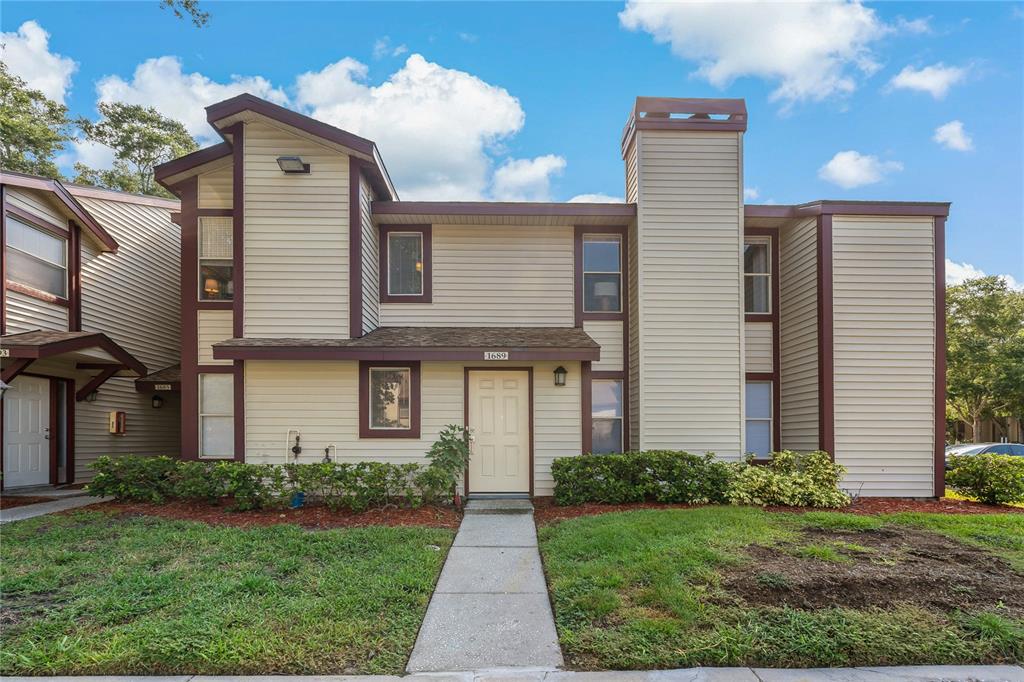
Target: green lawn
[(94, 594), (721, 586)]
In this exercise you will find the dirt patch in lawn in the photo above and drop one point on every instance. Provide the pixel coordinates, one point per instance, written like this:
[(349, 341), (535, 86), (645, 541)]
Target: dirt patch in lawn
[(307, 517), (875, 568), (23, 500)]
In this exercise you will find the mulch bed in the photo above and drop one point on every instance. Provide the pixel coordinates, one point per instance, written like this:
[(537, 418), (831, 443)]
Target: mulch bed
[(546, 511), (308, 517), (879, 567), (21, 501)]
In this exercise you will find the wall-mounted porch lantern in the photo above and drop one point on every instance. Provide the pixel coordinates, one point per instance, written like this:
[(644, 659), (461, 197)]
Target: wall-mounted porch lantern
[(292, 164), (92, 397), (560, 374), (158, 402)]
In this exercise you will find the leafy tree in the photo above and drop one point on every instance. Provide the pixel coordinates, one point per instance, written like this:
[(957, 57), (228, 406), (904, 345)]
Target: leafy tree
[(181, 8), (141, 138), (984, 351), (33, 128)]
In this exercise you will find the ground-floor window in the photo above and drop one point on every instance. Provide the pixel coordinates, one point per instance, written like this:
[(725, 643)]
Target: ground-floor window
[(216, 416), (759, 417), (389, 395), (606, 416)]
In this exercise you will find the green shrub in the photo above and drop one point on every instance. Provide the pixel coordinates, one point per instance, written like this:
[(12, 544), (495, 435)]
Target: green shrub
[(993, 479), (791, 479), (142, 479), (657, 475), (195, 480)]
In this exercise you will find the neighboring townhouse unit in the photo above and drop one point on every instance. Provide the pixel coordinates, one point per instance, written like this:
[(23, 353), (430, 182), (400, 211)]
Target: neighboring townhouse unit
[(323, 317), (89, 306)]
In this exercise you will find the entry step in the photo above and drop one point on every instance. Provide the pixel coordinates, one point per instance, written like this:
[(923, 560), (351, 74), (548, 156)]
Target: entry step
[(506, 505)]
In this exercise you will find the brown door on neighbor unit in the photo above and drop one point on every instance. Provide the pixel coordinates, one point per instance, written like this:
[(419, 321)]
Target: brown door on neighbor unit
[(499, 417)]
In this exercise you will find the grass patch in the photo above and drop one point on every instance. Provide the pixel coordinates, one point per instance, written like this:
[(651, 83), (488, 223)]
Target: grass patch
[(658, 589), (92, 594)]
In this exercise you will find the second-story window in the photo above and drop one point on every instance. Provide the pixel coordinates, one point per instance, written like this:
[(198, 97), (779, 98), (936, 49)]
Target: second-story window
[(757, 276), (216, 270), (405, 263), (36, 259), (602, 274)]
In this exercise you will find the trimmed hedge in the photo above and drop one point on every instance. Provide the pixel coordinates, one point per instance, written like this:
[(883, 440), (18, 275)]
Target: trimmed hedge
[(993, 479), (670, 476)]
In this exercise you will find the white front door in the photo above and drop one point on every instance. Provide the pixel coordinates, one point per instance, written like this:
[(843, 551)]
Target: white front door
[(499, 417), (27, 432)]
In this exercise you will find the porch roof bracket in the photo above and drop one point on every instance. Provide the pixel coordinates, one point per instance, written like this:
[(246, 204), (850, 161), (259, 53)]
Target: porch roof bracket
[(15, 367), (96, 382)]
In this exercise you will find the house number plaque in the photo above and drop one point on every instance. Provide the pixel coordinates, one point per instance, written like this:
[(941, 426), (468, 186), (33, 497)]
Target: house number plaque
[(495, 355)]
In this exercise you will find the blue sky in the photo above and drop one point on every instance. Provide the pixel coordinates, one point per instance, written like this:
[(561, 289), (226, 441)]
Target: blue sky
[(907, 101)]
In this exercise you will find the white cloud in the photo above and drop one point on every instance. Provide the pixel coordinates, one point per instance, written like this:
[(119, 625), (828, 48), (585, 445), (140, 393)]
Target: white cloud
[(957, 273), (182, 96), (751, 193), (936, 79), (813, 50), (919, 26), (435, 126), (382, 47), (953, 136), (596, 199), (27, 55), (92, 154), (850, 169), (468, 37), (527, 179)]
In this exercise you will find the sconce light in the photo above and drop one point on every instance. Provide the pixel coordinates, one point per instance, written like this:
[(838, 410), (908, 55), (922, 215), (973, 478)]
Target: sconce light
[(92, 397), (158, 402), (560, 374), (3, 387), (292, 164)]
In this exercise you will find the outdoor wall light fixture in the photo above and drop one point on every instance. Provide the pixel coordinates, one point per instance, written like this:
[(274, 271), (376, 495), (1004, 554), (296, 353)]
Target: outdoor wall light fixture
[(560, 374), (92, 397), (158, 402), (292, 164)]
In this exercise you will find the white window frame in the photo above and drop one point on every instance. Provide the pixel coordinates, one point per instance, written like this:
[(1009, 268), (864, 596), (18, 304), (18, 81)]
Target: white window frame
[(31, 256), (369, 399), (622, 409), (202, 414), (767, 242), (771, 412), (598, 237), (213, 259), (423, 265)]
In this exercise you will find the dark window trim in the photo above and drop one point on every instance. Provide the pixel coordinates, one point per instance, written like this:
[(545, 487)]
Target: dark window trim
[(37, 222), (37, 294), (237, 403), (213, 213), (759, 236), (776, 433), (71, 239), (428, 294), (588, 375), (414, 400), (622, 232)]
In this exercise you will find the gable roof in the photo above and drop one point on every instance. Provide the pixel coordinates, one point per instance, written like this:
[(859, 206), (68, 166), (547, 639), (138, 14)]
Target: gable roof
[(67, 199)]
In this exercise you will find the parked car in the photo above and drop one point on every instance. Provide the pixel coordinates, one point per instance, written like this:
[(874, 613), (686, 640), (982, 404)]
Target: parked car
[(1013, 449)]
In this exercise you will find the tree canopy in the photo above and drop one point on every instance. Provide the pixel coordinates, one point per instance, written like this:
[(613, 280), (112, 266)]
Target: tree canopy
[(984, 351), (33, 128), (189, 8)]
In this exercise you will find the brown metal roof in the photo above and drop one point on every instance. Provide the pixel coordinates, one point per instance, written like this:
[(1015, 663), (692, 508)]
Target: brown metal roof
[(424, 343)]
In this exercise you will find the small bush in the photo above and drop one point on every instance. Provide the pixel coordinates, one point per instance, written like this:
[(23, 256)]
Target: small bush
[(141, 479), (658, 475), (791, 479), (993, 479), (204, 481)]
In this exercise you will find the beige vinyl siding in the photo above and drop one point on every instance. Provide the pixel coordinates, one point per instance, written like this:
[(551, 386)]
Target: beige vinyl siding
[(884, 351), (320, 399), (212, 327), (634, 341), (296, 238), (492, 276), (38, 203), (216, 187), (371, 260), (690, 340), (758, 346), (631, 174), (798, 329), (608, 334), (25, 313)]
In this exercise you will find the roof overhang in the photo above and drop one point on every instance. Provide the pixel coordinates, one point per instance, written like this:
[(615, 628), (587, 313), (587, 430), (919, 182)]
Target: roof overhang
[(771, 215), (41, 345), (675, 113), (166, 379), (502, 213), (73, 207), (468, 344), (171, 173)]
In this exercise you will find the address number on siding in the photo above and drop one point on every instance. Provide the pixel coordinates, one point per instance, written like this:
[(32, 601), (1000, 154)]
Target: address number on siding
[(496, 355), (5, 352), (162, 387)]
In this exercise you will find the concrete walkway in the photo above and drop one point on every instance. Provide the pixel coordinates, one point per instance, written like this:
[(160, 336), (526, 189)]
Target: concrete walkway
[(934, 673), (491, 607), (41, 508)]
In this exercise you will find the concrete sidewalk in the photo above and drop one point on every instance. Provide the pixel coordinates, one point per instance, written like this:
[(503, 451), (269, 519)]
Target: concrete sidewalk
[(490, 607), (41, 508), (935, 673)]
